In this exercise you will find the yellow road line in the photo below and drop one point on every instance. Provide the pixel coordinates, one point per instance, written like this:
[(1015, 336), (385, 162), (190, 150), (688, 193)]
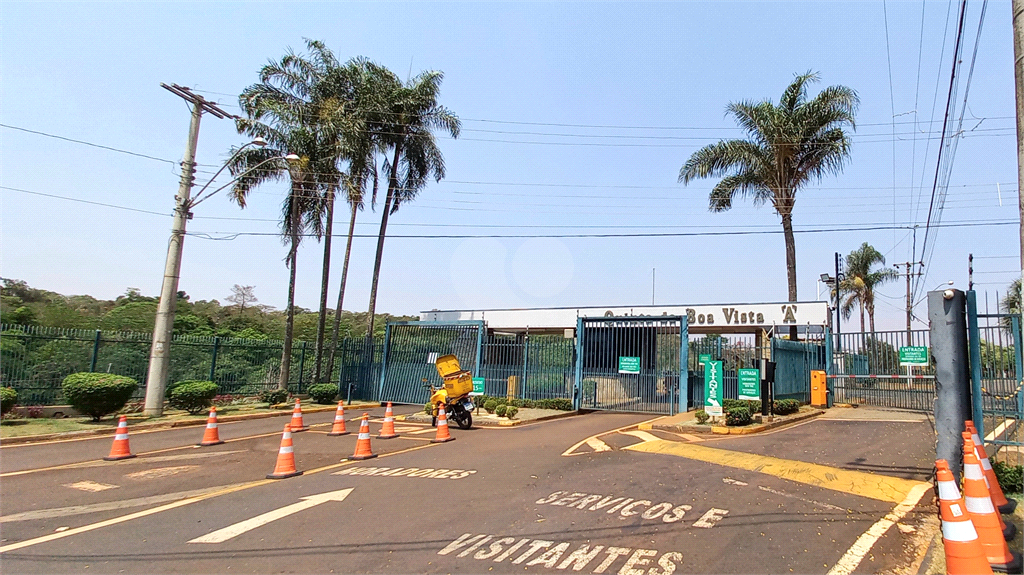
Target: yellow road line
[(874, 486)]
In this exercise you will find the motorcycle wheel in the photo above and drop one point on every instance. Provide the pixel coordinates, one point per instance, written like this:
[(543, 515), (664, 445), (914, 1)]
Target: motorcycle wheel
[(463, 418)]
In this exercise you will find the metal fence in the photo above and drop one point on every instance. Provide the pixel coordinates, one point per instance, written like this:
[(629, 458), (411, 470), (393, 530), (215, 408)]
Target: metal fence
[(997, 384), (35, 360), (528, 366), (411, 348), (866, 370), (734, 351)]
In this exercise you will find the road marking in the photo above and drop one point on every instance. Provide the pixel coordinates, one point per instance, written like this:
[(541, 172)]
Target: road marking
[(732, 481), (811, 501), (90, 486), (407, 472), (624, 506), (874, 486), (142, 458), (587, 441), (160, 472), (642, 435), (691, 438), (855, 554), (106, 506), (232, 531), (428, 430)]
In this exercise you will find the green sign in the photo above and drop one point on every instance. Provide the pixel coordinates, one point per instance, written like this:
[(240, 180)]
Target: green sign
[(629, 364), (913, 355), (703, 358), (713, 388), (749, 383), (478, 386)]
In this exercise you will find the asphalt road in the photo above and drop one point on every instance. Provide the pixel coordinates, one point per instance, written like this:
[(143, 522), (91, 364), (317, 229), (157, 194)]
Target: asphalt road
[(565, 495)]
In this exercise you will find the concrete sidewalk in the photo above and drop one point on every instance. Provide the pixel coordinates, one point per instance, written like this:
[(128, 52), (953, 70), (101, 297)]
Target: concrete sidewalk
[(686, 423)]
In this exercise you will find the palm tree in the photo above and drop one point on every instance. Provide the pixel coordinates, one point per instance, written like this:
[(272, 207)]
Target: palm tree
[(860, 282), (407, 133), (788, 145), (1010, 303)]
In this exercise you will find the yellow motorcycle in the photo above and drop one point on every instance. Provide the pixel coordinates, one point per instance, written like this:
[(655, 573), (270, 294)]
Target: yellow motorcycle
[(453, 394)]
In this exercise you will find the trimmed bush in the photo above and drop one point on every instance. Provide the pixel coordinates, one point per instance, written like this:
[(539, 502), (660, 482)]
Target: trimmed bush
[(736, 416), (323, 393), (428, 408), (273, 396), (98, 394), (511, 411), (491, 405), (501, 410), (8, 399), (193, 396), (560, 404), (1011, 477), (702, 416), (785, 406)]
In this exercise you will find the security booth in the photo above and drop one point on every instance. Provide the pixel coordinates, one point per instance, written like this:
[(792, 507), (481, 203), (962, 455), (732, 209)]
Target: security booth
[(647, 359)]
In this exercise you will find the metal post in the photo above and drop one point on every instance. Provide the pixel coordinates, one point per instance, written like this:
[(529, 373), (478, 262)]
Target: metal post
[(829, 368), (480, 332), (383, 361), (952, 384), (159, 363), (95, 352), (577, 393), (838, 314), (213, 359), (302, 364), (1017, 7), (526, 362), (974, 338), (684, 364)]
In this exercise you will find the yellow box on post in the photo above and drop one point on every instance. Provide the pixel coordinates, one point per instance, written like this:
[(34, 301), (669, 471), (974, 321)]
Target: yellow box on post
[(457, 381), (819, 389)]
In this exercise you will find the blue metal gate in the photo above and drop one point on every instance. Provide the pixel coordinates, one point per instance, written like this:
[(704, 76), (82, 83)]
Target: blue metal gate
[(410, 349), (631, 363)]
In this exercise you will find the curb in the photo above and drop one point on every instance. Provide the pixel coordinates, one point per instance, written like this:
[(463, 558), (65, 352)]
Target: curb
[(723, 430), (501, 423), (176, 424)]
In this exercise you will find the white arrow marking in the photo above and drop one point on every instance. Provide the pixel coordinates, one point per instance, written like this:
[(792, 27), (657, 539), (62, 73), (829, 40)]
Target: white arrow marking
[(222, 535)]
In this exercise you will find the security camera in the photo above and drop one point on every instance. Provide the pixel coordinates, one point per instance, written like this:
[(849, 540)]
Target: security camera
[(948, 294)]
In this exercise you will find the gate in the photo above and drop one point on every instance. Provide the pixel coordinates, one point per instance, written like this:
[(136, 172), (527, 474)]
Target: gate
[(865, 369), (410, 349), (630, 363)]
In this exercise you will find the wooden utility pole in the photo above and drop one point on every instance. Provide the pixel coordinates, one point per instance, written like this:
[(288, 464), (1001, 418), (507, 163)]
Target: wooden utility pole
[(1018, 74)]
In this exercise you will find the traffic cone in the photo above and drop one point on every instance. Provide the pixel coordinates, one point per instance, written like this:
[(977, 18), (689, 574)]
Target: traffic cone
[(363, 442), (1004, 505), (984, 516), (120, 449), (296, 423), (442, 427), (339, 421), (964, 554), (1008, 529), (387, 431), (211, 436), (285, 457)]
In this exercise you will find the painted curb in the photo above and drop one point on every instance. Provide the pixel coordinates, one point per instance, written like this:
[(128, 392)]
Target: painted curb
[(175, 424), (724, 430)]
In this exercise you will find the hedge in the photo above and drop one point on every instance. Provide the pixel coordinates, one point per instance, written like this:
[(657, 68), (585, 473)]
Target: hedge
[(98, 394), (193, 396), (323, 393), (8, 399)]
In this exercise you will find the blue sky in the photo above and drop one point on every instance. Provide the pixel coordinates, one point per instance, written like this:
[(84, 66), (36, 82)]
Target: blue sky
[(655, 77)]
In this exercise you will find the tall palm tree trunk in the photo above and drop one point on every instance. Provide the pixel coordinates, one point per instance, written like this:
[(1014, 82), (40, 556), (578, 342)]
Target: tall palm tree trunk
[(392, 188), (787, 228), (871, 318), (341, 292), (861, 306), (328, 230), (289, 326)]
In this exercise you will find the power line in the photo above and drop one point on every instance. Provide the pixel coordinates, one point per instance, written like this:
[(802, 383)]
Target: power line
[(83, 142), (83, 201)]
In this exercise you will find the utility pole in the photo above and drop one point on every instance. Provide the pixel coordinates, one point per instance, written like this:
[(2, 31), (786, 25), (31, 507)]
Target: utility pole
[(838, 330), (1018, 74), (909, 267), (156, 378)]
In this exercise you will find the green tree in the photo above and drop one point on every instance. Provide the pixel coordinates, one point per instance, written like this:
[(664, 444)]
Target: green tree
[(1010, 303), (406, 131), (861, 281), (788, 145)]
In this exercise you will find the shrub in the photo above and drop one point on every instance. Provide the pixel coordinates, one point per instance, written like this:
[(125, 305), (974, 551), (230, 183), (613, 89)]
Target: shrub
[(511, 411), (501, 409), (428, 408), (737, 416), (528, 403), (273, 396), (702, 416), (785, 406), (1011, 477), (491, 405), (35, 412), (98, 394), (193, 396), (8, 399), (502, 400), (560, 404), (323, 393)]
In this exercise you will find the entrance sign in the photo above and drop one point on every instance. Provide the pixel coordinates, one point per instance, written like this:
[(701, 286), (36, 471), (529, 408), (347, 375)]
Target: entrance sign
[(703, 358), (913, 355), (749, 384), (478, 386), (713, 388), (629, 364)]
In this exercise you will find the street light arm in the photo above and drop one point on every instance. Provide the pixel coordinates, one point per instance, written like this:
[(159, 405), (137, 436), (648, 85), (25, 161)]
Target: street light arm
[(198, 200)]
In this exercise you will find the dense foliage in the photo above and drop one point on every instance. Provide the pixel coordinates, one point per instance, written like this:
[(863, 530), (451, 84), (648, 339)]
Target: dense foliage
[(8, 399), (98, 394), (193, 396), (785, 406), (701, 416), (1010, 477), (273, 396), (738, 415), (323, 392)]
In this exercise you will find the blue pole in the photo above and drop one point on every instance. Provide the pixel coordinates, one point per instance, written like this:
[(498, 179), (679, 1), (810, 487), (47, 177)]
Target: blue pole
[(383, 361), (974, 341), (578, 384), (684, 364)]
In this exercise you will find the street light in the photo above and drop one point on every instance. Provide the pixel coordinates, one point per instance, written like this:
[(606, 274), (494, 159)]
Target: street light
[(159, 357)]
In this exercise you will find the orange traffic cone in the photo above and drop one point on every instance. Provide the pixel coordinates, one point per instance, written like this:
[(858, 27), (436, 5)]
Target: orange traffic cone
[(964, 554), (211, 436), (296, 423), (442, 427), (387, 431), (285, 457), (120, 449), (1008, 529), (1004, 505), (984, 516), (363, 441), (339, 421)]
